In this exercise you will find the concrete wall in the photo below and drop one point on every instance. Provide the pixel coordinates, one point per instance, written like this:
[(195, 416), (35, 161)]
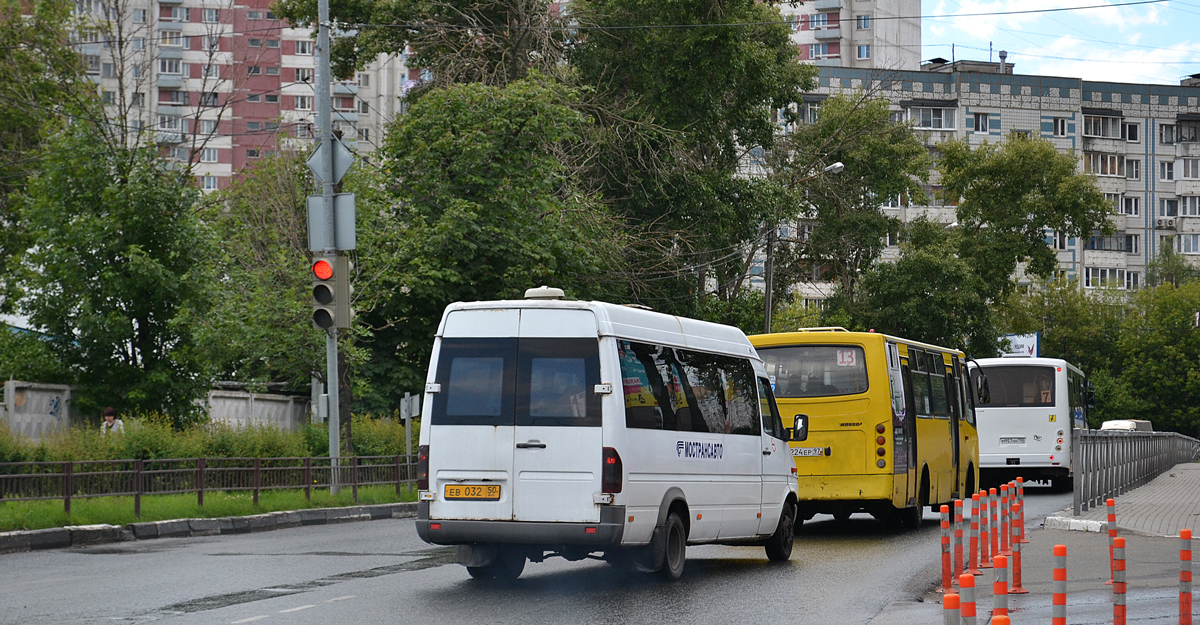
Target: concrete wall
[(35, 410), (239, 409)]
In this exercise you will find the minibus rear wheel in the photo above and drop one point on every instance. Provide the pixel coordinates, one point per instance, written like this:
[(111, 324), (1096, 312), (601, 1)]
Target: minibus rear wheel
[(507, 564), (676, 555)]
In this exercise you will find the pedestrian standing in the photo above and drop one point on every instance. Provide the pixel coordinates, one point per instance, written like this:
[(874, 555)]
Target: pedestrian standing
[(110, 423)]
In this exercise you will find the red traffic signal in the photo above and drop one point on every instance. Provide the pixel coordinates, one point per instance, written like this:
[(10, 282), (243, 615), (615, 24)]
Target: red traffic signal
[(322, 269)]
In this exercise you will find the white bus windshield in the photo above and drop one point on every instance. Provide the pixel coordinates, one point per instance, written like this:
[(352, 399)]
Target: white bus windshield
[(1017, 387)]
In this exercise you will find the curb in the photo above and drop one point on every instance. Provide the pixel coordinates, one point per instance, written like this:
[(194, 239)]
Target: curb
[(1075, 525), (83, 535)]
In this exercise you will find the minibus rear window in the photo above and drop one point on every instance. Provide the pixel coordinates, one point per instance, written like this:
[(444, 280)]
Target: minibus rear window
[(1018, 387), (815, 370), (477, 378)]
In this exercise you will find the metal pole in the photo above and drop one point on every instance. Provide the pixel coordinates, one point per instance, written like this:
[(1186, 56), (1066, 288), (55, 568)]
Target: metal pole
[(325, 130), (769, 277)]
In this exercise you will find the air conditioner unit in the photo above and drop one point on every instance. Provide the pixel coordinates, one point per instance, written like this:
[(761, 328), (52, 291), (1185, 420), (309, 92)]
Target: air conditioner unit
[(1165, 223)]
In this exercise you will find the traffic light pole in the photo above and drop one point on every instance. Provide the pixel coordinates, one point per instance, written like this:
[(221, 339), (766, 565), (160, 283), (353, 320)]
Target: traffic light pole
[(325, 130)]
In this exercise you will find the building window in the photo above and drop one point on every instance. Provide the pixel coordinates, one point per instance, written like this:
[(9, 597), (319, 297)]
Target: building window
[(1129, 131), (106, 70), (139, 99), (1133, 169), (179, 14), (139, 16), (981, 122), (254, 43), (1098, 277), (1061, 240), (208, 126), (810, 112), (363, 107), (209, 183), (211, 71), (208, 155), (252, 153), (211, 16), (1187, 243), (815, 50), (254, 15), (1131, 206), (1168, 207), (304, 74), (364, 80), (304, 48), (1166, 171), (272, 98), (253, 126), (1131, 280), (92, 63), (863, 52), (1166, 133), (210, 43), (1191, 168), (932, 118), (271, 126), (1111, 244), (209, 99), (1189, 206), (304, 131), (1131, 243), (108, 97), (272, 43), (364, 134), (178, 98), (253, 70), (862, 22), (1060, 126), (254, 97), (1188, 131), (272, 71), (270, 15), (1097, 126), (170, 122), (303, 103), (138, 43), (1104, 164), (169, 66), (818, 21), (1113, 199)]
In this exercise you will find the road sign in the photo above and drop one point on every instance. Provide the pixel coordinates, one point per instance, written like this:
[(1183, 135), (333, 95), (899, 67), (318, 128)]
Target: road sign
[(342, 160), (343, 236)]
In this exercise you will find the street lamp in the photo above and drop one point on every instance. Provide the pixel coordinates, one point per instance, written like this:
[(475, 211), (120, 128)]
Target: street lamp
[(769, 263)]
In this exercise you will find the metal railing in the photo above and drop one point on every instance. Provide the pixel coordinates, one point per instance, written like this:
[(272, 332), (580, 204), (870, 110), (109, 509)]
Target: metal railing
[(33, 481), (1108, 463)]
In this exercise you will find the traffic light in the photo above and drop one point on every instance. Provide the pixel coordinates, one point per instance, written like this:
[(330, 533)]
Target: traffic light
[(331, 292)]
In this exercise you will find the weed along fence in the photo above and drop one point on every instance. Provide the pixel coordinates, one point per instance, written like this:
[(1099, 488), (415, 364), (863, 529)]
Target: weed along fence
[(1107, 463), (32, 481)]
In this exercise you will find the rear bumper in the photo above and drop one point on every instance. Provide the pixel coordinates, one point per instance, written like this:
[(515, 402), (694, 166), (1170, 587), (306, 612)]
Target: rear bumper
[(867, 487), (607, 532)]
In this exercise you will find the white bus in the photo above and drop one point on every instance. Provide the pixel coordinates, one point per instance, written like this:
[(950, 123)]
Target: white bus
[(570, 428), (1027, 420)]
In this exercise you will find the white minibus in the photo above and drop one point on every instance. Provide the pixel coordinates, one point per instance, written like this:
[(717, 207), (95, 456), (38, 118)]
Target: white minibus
[(1026, 422), (586, 429)]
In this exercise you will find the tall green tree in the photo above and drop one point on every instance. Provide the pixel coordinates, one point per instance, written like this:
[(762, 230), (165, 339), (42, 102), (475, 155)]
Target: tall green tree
[(476, 205), (1170, 267), (1161, 357), (1076, 325), (1009, 194), (113, 269), (882, 159)]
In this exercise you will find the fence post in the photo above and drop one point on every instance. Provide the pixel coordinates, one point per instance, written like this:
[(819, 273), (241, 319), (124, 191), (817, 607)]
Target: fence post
[(200, 482), (308, 479), (257, 478), (1078, 470), (354, 477), (137, 488), (68, 486), (398, 481)]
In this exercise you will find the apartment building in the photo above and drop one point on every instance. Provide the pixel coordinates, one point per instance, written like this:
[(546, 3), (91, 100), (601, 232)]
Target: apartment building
[(219, 84), (882, 34), (1141, 141)]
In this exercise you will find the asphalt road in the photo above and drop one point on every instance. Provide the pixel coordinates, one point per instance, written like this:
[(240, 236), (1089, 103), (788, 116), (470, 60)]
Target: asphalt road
[(379, 571)]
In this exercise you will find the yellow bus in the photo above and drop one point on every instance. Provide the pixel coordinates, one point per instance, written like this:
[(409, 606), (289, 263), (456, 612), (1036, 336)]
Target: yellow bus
[(885, 425)]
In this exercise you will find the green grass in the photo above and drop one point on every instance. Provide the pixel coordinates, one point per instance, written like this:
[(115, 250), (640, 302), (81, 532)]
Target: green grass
[(31, 515)]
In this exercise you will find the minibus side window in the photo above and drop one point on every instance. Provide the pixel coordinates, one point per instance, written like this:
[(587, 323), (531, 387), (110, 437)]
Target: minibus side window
[(645, 392), (702, 374), (920, 382), (771, 421), (739, 396)]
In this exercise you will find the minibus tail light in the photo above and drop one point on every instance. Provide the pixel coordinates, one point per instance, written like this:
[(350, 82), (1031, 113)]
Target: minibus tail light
[(612, 473), (423, 467)]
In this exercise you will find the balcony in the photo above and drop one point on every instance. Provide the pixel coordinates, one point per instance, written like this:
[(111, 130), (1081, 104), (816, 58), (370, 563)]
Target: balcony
[(1106, 258), (1188, 225), (829, 61), (163, 137), (1187, 186), (170, 25), (174, 109), (170, 3), (170, 81), (828, 34), (1189, 149), (1110, 145), (345, 88), (827, 5), (170, 52), (345, 116)]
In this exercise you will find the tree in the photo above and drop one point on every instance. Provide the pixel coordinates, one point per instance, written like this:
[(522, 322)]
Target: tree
[(113, 269), (1076, 325), (1170, 267), (1161, 365), (475, 204), (882, 159), (26, 356), (1008, 195), (929, 294)]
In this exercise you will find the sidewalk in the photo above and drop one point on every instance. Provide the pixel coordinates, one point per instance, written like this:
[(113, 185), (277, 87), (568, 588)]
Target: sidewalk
[(1149, 518)]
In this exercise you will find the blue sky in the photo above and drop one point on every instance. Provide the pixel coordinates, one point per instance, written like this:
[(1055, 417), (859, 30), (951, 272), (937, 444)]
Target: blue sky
[(1145, 43)]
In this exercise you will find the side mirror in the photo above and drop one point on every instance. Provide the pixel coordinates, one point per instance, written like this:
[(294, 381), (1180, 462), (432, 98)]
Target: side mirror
[(800, 428), (981, 389), (1091, 398)]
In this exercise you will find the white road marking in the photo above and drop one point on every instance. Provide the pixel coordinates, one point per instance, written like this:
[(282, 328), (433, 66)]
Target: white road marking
[(303, 607), (340, 598), (252, 618)]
